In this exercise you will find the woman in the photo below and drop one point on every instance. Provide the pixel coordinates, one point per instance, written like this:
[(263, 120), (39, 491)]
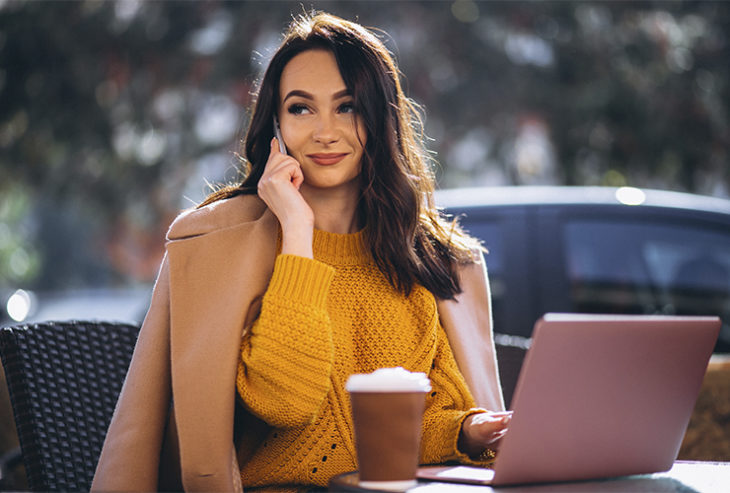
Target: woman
[(333, 260)]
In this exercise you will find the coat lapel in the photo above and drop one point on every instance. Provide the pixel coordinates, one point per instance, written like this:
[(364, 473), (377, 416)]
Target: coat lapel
[(217, 280)]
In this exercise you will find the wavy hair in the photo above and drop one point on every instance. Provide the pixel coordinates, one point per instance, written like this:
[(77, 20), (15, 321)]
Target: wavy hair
[(409, 239)]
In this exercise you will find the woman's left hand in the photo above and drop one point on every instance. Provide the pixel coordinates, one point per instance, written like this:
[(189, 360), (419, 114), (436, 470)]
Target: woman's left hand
[(483, 430)]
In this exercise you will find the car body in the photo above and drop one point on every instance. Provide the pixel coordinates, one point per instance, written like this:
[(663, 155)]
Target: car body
[(550, 249), (598, 250)]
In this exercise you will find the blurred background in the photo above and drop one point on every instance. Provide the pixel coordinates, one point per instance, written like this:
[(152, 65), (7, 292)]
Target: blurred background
[(117, 114)]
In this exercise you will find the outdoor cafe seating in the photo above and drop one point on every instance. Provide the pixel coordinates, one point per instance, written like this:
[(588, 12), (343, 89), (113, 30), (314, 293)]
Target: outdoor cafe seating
[(64, 379)]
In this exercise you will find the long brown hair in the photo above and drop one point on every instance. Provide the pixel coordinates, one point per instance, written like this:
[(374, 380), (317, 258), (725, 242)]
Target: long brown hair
[(409, 238)]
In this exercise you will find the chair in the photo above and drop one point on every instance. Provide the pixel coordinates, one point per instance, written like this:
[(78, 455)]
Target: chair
[(64, 379)]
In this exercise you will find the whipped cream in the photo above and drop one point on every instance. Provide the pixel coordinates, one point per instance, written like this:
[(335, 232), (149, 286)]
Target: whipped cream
[(388, 380)]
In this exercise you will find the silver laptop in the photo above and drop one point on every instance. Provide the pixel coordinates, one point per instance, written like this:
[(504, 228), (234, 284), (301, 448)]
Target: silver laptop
[(599, 396)]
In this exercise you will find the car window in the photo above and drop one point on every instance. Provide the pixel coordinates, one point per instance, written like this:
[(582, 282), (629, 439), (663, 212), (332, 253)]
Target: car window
[(620, 267), (503, 231), (489, 233)]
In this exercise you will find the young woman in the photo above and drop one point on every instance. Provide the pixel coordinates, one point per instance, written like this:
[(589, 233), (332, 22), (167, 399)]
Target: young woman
[(328, 259)]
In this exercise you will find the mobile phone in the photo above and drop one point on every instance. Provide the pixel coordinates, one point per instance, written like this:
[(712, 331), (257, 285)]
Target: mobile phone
[(277, 134)]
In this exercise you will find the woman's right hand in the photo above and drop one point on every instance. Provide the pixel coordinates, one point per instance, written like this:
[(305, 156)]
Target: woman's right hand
[(279, 188), (483, 430)]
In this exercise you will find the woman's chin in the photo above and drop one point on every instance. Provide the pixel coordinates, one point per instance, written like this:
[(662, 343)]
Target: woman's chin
[(331, 183)]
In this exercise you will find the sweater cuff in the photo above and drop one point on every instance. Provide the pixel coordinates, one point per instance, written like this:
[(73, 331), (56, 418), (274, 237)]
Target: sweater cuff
[(450, 425), (301, 279)]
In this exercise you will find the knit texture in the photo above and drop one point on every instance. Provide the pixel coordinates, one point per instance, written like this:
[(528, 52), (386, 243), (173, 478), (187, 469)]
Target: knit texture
[(322, 320)]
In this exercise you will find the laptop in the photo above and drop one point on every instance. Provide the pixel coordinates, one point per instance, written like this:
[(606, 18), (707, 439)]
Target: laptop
[(599, 396)]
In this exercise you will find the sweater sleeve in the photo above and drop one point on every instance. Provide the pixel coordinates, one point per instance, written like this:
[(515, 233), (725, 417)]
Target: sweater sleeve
[(286, 357), (447, 406)]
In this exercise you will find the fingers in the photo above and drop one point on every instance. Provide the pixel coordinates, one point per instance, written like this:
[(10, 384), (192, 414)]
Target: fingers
[(274, 163), (281, 168), (501, 414), (274, 147), (486, 429), (279, 188), (496, 439), (492, 421)]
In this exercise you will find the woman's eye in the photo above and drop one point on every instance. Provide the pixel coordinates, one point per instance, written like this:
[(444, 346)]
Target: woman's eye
[(347, 108), (298, 109)]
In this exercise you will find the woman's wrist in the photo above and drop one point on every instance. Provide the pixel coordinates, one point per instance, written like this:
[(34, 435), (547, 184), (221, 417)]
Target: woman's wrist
[(466, 443), (297, 240), (475, 450)]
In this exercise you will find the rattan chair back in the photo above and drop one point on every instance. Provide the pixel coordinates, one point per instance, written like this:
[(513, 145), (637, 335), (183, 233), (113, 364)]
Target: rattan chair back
[(64, 379)]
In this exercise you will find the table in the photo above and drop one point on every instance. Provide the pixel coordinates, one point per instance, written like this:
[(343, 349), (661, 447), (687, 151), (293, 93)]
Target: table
[(684, 477)]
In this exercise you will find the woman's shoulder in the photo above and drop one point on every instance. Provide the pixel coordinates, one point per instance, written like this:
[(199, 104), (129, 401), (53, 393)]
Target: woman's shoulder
[(215, 216)]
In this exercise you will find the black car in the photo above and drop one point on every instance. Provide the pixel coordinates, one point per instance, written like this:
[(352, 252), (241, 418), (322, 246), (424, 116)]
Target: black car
[(599, 250)]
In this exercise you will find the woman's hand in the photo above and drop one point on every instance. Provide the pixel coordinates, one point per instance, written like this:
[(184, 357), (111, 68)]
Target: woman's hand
[(279, 188), (483, 430)]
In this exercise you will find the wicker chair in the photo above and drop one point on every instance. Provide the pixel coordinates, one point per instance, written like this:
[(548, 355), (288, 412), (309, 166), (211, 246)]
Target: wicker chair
[(64, 379)]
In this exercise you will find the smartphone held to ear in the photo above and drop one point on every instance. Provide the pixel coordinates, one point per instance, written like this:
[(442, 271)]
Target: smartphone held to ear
[(277, 134)]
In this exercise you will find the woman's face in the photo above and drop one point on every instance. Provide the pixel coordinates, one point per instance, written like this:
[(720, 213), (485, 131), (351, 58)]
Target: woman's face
[(318, 122)]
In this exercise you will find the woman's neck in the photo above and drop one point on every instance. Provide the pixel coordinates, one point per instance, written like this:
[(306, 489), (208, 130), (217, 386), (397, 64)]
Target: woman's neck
[(335, 211)]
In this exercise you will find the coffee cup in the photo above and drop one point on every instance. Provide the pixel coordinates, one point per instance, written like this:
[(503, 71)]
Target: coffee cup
[(387, 412)]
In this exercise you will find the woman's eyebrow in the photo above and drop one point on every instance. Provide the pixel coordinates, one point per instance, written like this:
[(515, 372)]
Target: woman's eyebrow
[(306, 95)]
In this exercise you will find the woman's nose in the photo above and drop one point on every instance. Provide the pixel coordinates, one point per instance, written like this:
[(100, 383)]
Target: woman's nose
[(325, 131)]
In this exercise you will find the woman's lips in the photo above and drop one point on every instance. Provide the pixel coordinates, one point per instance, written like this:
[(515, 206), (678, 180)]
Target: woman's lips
[(327, 159)]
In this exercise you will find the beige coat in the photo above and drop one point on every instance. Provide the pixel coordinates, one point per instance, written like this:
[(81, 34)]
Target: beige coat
[(216, 269)]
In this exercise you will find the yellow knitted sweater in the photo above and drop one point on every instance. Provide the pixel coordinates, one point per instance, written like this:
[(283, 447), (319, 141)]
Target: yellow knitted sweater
[(322, 320)]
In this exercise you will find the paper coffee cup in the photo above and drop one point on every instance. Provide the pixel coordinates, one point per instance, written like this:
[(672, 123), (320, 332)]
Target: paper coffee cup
[(387, 412)]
